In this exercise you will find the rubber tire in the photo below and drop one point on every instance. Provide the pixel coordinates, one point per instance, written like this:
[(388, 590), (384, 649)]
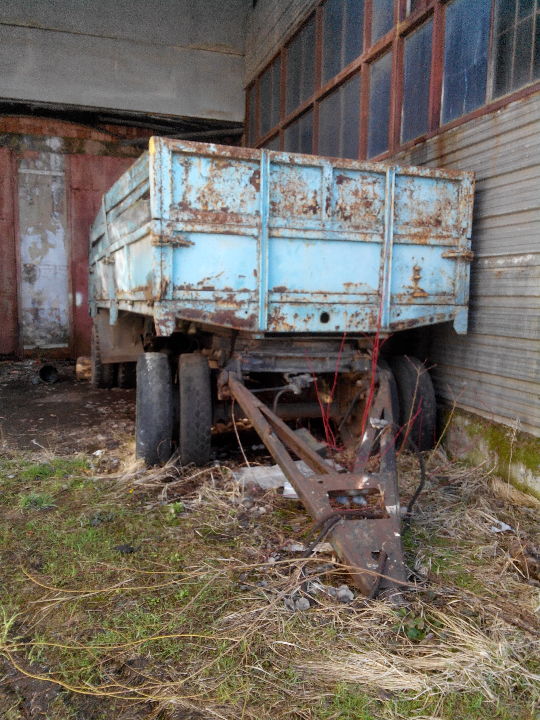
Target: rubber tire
[(154, 410), (126, 374), (415, 395), (195, 409), (103, 375)]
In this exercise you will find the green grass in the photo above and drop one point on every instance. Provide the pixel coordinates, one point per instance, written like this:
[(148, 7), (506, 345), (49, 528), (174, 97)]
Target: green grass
[(63, 531), (36, 501)]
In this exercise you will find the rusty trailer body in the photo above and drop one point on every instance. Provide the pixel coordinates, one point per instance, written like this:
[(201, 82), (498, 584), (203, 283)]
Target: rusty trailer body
[(268, 279), (271, 242)]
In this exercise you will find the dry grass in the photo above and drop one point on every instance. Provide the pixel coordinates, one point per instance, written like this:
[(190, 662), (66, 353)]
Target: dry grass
[(195, 623)]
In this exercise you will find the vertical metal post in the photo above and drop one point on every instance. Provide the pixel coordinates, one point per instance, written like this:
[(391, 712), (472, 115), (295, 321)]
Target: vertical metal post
[(264, 201), (386, 285)]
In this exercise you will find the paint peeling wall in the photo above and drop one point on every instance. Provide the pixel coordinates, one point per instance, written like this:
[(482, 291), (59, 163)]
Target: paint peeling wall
[(43, 251), (50, 189)]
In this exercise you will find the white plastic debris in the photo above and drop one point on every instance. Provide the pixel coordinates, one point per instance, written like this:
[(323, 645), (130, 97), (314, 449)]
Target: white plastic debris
[(271, 477), (501, 527)]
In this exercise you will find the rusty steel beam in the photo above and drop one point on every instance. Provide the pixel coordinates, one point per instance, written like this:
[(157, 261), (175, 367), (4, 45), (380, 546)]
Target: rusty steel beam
[(360, 510)]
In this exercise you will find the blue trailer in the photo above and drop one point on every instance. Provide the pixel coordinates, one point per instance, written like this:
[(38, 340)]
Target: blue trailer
[(271, 278)]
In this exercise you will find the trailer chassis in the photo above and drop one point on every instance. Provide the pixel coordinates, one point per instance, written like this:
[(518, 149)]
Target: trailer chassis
[(359, 510)]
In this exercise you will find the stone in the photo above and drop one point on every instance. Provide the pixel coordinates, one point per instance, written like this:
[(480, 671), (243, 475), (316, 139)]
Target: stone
[(344, 594)]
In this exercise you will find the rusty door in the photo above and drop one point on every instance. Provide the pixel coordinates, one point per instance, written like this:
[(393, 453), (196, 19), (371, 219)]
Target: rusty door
[(9, 325), (43, 251), (89, 177)]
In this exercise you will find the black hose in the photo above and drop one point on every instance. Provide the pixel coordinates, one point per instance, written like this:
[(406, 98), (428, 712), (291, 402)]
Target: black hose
[(421, 484)]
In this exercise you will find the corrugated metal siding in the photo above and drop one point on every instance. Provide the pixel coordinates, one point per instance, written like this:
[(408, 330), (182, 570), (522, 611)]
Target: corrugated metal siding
[(495, 369), (268, 25)]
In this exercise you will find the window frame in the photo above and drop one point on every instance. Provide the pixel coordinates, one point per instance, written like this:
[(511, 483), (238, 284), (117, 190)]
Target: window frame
[(394, 41)]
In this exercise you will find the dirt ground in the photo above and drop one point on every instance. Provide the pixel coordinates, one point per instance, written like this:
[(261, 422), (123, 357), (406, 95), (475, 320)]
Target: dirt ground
[(63, 417), (181, 594)]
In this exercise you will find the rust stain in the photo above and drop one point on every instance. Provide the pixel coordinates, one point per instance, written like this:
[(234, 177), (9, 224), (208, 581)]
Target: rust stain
[(227, 318), (416, 290), (255, 180)]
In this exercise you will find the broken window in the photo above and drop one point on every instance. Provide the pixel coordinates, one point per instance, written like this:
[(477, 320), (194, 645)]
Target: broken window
[(299, 134), (416, 78), (379, 104), (269, 86), (382, 18), (465, 57), (339, 118), (343, 28), (301, 66), (516, 44)]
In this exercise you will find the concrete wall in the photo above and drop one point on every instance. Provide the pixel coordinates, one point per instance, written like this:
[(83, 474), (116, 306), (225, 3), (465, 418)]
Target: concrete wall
[(177, 57)]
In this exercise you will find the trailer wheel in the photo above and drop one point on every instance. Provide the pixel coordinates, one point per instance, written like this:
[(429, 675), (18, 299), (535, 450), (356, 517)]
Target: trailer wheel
[(154, 412), (195, 409), (103, 374), (417, 406), (126, 374)]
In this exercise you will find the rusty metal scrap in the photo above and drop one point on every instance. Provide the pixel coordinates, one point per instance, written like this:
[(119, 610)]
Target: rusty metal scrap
[(359, 510)]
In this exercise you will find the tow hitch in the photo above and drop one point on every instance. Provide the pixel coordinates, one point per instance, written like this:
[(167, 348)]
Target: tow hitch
[(359, 511)]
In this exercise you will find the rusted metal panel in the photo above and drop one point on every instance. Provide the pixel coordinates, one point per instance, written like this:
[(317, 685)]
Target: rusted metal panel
[(277, 242), (89, 177), (9, 326)]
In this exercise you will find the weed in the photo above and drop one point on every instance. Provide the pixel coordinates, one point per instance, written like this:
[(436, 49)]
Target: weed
[(36, 501)]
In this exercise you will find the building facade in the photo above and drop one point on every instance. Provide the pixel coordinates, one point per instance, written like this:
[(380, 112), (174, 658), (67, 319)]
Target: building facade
[(446, 83), (82, 87), (451, 84)]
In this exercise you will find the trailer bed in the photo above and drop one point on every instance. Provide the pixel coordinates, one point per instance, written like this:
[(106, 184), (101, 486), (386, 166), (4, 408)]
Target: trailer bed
[(274, 242)]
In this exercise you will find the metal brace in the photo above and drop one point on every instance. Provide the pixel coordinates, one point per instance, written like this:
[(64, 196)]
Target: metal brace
[(362, 507)]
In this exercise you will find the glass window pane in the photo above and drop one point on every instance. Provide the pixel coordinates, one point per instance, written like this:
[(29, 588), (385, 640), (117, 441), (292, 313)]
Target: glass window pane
[(505, 15), (299, 134), (339, 119), (536, 68), (504, 46), (379, 105), (272, 144), (523, 53), (413, 5), (251, 130), (269, 94), (382, 18), (301, 66), (417, 73), (343, 27), (354, 30), (515, 53), (525, 8), (465, 57)]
